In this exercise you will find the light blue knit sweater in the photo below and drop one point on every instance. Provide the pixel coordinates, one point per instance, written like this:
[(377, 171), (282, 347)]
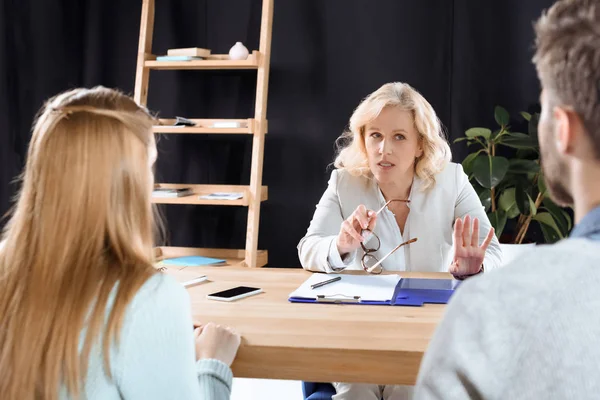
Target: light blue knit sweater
[(155, 358)]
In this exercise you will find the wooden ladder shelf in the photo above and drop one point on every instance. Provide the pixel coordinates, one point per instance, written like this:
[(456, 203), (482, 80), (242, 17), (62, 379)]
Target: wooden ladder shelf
[(253, 194)]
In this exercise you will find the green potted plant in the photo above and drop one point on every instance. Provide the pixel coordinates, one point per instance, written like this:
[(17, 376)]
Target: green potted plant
[(504, 168)]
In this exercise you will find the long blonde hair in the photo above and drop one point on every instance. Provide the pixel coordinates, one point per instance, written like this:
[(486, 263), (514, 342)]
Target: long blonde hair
[(82, 228), (352, 155)]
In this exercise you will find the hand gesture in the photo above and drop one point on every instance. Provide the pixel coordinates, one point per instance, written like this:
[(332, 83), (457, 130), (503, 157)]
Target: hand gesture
[(350, 236), (468, 254)]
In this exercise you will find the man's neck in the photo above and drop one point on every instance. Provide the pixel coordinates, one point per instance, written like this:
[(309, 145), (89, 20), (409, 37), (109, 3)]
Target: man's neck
[(585, 189)]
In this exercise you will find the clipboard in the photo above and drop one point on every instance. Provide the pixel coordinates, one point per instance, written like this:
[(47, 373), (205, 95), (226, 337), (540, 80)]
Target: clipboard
[(350, 289), (384, 290)]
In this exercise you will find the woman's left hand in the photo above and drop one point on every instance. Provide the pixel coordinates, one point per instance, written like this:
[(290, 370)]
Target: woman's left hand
[(468, 254)]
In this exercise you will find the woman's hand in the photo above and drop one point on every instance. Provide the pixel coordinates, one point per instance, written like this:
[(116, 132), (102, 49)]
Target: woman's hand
[(216, 342), (468, 254), (350, 236)]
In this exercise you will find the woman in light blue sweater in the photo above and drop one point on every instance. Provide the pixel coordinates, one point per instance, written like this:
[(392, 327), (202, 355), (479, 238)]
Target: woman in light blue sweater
[(83, 312)]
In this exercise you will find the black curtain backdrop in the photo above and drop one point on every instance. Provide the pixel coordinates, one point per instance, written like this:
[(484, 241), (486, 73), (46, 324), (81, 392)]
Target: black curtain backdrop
[(464, 56)]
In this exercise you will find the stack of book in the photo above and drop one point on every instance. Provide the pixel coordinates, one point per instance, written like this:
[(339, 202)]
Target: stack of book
[(186, 54), (162, 192), (223, 196)]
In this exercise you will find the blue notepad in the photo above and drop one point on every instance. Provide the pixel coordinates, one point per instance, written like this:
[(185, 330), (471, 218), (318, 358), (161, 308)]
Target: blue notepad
[(192, 261)]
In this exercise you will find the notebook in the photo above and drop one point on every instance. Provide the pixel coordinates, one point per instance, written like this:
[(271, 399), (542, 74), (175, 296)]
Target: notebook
[(191, 261), (178, 58)]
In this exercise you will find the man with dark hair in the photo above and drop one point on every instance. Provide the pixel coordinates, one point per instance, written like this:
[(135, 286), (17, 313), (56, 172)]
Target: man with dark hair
[(531, 330)]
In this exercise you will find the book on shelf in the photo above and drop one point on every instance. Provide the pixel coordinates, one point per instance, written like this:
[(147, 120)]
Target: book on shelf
[(180, 121), (164, 192), (223, 196), (226, 124), (191, 261), (189, 51), (178, 58)]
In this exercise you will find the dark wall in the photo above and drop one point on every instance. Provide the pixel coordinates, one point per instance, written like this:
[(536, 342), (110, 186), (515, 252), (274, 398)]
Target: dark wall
[(465, 56)]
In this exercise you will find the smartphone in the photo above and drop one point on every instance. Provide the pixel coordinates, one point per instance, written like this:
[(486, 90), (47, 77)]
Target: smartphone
[(235, 293)]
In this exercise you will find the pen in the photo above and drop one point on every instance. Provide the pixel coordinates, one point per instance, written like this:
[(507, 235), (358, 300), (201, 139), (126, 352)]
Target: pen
[(192, 282), (318, 285)]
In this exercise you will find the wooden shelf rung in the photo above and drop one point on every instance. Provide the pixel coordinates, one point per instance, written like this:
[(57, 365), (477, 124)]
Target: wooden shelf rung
[(214, 61), (232, 256), (205, 126), (199, 190)]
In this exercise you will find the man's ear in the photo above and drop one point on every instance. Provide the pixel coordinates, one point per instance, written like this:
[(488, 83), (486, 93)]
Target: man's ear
[(563, 130), (568, 127)]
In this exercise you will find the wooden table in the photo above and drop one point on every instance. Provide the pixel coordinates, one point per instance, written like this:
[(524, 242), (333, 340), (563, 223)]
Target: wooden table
[(314, 342)]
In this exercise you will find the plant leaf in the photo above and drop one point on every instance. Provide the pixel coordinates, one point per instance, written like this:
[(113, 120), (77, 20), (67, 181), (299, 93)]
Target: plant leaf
[(519, 143), (475, 132), (562, 218), (501, 115), (526, 115), (506, 183), (569, 221), (541, 184), (485, 195), (517, 166), (498, 221), (521, 198), (460, 139), (513, 212), (489, 171), (533, 127), (526, 154), (507, 199), (532, 207), (508, 203), (561, 221), (550, 235), (547, 219), (467, 163), (518, 135)]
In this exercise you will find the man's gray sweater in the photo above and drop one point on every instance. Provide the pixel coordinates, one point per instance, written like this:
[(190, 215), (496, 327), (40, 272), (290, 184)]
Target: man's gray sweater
[(529, 330)]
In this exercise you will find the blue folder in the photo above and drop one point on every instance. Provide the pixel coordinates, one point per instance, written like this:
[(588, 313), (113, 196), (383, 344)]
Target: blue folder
[(191, 261), (416, 292), (408, 292)]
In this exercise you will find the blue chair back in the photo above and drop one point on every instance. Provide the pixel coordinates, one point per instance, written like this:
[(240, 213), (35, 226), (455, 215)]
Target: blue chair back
[(317, 390)]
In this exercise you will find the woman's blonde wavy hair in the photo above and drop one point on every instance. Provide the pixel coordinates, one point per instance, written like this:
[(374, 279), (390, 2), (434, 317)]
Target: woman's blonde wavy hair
[(352, 155), (82, 229)]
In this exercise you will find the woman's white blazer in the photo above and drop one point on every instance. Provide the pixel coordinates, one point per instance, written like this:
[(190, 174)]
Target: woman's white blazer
[(430, 220)]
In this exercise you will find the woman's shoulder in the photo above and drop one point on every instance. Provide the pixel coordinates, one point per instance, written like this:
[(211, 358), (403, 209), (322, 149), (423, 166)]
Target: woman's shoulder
[(160, 303), (451, 174), (160, 292), (451, 169), (450, 178), (342, 178)]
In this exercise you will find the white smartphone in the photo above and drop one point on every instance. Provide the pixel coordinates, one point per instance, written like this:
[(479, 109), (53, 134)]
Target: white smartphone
[(235, 293)]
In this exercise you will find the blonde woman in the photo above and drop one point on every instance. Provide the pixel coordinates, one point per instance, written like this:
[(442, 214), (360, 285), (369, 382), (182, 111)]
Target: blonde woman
[(395, 202), (83, 313)]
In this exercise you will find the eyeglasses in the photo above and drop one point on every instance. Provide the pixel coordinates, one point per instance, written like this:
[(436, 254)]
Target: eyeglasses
[(369, 262)]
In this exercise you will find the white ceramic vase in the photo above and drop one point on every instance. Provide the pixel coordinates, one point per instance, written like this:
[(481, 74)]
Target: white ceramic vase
[(238, 52)]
